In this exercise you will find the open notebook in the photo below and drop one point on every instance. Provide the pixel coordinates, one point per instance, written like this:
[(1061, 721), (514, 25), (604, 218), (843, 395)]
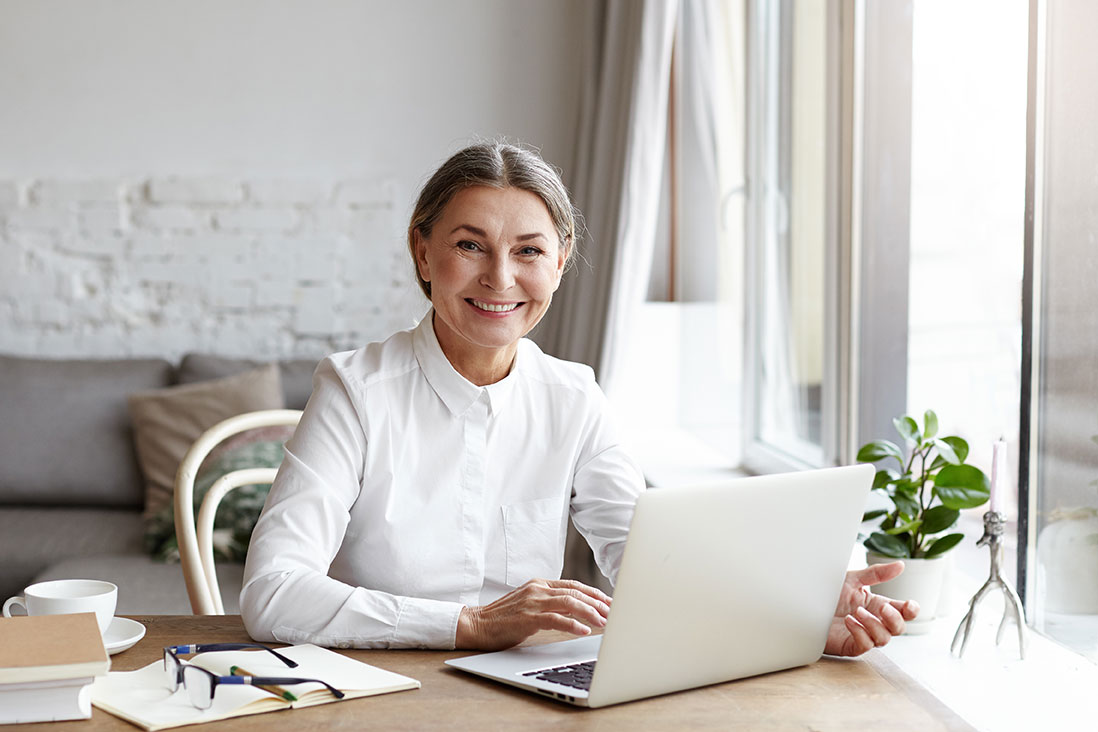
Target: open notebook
[(140, 696)]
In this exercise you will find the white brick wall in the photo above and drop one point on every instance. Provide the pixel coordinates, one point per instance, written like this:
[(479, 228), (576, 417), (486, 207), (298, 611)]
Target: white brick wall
[(192, 191), (9, 195), (265, 268)]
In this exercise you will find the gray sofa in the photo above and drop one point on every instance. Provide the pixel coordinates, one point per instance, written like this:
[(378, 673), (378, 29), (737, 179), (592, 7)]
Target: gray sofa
[(71, 490)]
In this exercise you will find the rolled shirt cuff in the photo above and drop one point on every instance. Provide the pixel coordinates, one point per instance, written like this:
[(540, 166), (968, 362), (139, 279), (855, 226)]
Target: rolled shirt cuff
[(426, 623)]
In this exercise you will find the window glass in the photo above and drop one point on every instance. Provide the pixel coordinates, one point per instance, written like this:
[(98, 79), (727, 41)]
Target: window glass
[(967, 236), (791, 228), (688, 337), (1063, 602)]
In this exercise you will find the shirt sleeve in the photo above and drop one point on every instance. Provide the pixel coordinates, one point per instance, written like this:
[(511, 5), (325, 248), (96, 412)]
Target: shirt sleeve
[(287, 594), (605, 488)]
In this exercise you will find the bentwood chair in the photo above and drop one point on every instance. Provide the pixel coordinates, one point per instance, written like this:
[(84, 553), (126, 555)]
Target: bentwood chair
[(196, 538)]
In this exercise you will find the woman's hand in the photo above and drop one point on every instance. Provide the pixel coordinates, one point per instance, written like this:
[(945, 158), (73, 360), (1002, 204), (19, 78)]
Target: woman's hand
[(864, 620), (537, 605)]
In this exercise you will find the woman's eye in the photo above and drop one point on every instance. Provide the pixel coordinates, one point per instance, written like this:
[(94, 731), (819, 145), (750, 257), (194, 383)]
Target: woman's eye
[(530, 251), (469, 246)]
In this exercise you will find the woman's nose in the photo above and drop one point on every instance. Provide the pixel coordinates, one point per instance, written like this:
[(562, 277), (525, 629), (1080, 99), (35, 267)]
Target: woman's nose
[(498, 274)]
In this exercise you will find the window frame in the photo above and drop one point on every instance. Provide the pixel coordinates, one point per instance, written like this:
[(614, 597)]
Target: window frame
[(868, 153)]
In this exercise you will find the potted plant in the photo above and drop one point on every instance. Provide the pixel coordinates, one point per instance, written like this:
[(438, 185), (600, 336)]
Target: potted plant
[(929, 484)]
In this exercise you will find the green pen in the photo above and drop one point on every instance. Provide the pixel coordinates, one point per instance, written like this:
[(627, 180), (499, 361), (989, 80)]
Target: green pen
[(276, 690)]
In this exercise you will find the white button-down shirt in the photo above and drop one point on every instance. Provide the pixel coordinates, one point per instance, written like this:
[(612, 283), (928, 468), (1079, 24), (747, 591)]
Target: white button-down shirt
[(407, 493)]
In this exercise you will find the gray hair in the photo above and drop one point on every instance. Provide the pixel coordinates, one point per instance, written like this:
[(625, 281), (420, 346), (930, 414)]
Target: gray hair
[(497, 165)]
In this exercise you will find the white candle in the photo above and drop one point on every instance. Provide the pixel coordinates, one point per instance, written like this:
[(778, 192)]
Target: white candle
[(998, 475)]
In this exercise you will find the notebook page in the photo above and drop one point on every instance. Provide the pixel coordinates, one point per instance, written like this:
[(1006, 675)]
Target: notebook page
[(140, 697)]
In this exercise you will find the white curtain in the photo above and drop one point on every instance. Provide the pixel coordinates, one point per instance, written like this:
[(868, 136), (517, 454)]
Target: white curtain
[(615, 179)]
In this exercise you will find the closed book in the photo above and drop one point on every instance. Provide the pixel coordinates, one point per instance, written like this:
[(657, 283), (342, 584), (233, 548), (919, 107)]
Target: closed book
[(47, 664), (46, 647), (46, 701), (140, 696)]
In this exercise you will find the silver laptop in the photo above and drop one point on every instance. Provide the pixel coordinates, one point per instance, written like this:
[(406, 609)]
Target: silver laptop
[(717, 583)]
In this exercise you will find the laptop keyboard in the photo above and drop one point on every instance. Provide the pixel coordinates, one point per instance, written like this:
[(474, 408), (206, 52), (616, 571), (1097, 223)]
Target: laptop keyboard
[(578, 675)]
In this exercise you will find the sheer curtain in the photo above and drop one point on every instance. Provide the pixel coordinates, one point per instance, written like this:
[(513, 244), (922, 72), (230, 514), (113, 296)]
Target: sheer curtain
[(615, 181)]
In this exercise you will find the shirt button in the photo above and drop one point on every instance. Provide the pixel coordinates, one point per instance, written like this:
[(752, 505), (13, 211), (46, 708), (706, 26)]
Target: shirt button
[(344, 644)]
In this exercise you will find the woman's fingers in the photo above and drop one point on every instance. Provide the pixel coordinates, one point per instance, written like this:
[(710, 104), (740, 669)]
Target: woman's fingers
[(859, 641), (597, 606), (875, 629), (909, 609), (600, 597), (892, 619), (556, 621), (564, 605), (577, 607), (880, 605), (877, 573)]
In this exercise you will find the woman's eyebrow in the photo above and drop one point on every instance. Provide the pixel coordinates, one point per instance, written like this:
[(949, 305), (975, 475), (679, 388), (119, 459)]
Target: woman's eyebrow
[(471, 229), (483, 234)]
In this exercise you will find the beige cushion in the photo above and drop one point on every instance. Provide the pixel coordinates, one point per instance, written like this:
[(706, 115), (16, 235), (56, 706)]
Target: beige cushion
[(166, 422)]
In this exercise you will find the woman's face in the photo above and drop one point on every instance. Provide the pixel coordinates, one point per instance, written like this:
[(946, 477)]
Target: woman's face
[(494, 261)]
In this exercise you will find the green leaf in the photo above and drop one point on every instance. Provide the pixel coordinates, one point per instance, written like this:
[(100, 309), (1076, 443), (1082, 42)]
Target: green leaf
[(942, 545), (930, 419), (959, 446), (961, 486), (883, 478), (939, 518), (946, 451), (870, 515), (907, 505), (906, 486), (907, 428), (871, 452), (887, 545), (909, 527)]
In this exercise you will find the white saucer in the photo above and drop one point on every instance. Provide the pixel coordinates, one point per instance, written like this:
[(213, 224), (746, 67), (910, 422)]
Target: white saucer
[(122, 634)]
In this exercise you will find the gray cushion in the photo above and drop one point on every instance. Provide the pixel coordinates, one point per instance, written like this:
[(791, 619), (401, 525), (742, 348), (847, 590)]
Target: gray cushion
[(297, 374), (65, 436), (146, 586), (32, 539)]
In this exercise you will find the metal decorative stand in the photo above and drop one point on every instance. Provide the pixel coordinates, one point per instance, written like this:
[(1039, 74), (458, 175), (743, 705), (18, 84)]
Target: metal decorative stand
[(1012, 610)]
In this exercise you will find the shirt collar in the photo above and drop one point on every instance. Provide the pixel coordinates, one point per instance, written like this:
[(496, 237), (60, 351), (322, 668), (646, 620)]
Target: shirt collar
[(455, 391)]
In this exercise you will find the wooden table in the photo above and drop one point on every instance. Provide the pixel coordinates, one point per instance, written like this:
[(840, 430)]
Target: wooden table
[(832, 694)]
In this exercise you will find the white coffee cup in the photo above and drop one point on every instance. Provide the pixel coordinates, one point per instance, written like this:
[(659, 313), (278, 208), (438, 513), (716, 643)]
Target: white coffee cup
[(61, 597)]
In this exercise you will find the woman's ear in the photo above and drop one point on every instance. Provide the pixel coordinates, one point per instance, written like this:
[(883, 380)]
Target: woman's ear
[(562, 261), (422, 265)]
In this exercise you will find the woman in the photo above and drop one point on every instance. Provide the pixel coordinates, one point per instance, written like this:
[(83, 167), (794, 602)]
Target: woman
[(425, 494)]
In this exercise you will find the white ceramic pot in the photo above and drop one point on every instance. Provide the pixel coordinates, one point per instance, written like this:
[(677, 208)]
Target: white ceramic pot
[(922, 581), (1067, 551)]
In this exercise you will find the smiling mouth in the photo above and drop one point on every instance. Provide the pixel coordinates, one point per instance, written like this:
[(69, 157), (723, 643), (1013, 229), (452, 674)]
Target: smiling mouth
[(493, 307)]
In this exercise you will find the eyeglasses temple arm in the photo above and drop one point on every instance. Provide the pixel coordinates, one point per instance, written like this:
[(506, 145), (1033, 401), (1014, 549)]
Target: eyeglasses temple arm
[(202, 647), (267, 680)]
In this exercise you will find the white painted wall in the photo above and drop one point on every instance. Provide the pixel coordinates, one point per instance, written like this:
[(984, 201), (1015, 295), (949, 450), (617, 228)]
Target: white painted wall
[(273, 111)]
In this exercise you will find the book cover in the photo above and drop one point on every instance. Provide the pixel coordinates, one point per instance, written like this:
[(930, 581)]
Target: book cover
[(48, 647), (140, 696)]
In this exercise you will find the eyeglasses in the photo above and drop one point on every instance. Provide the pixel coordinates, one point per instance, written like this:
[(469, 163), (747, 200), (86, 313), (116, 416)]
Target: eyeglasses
[(201, 684)]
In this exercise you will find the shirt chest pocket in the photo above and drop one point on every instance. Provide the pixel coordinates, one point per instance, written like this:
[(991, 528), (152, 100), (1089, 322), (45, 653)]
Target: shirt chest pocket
[(534, 534)]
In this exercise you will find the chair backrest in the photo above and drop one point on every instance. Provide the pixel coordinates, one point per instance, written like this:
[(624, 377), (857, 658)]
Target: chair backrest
[(196, 542)]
